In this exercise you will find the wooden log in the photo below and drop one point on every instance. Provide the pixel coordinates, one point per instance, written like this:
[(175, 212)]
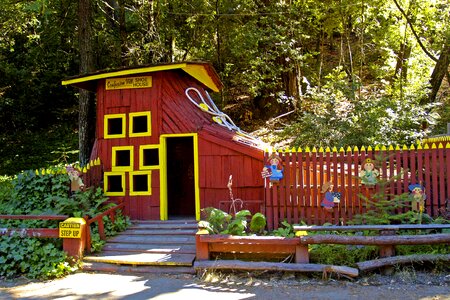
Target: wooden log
[(390, 261), (373, 227), (429, 239), (272, 266)]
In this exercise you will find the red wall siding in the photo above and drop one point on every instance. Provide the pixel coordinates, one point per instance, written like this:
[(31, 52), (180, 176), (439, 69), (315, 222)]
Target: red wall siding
[(173, 113)]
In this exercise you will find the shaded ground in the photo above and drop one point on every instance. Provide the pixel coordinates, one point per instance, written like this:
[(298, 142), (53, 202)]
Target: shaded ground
[(406, 284)]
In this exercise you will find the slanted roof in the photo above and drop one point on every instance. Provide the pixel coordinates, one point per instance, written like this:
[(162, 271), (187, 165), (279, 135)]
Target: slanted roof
[(201, 71)]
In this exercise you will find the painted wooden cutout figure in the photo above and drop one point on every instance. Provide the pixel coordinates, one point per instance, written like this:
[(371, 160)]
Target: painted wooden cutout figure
[(272, 170), (417, 194), (330, 198), (76, 184), (368, 174)]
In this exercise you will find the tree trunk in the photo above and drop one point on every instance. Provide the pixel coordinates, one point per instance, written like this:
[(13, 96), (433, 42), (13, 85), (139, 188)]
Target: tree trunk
[(439, 72), (123, 34), (86, 114), (402, 57)]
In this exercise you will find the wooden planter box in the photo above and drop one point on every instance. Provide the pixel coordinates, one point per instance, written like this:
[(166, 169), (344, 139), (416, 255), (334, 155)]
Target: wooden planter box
[(250, 247)]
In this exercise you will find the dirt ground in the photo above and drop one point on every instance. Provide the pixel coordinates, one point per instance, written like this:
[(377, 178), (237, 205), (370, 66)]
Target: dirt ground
[(403, 284)]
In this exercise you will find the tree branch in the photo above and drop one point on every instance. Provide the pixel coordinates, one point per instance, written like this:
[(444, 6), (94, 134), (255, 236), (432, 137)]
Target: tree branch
[(408, 20)]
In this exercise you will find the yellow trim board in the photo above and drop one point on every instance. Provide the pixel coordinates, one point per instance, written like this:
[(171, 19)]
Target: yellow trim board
[(123, 73), (198, 71), (163, 174)]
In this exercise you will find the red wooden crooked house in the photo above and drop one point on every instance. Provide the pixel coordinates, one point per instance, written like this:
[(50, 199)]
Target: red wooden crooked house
[(163, 155)]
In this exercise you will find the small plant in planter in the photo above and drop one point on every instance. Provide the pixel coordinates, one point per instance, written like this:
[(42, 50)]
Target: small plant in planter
[(219, 222)]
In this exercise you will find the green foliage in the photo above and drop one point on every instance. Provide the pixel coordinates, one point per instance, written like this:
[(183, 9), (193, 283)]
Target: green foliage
[(353, 72), (220, 222), (216, 220), (32, 257), (341, 255), (258, 223), (287, 230), (46, 192), (84, 203), (238, 225)]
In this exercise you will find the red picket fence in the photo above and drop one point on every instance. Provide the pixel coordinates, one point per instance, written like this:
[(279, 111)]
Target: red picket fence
[(297, 197)]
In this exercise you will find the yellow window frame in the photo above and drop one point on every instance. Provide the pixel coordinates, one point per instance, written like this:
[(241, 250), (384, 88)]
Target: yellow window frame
[(106, 119), (141, 157), (114, 151), (149, 183), (106, 175), (131, 123)]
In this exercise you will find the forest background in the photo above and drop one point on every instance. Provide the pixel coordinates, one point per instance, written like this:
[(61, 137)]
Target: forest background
[(305, 72)]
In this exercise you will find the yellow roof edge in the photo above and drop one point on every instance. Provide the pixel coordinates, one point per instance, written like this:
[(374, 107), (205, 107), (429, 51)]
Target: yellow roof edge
[(123, 73), (200, 73)]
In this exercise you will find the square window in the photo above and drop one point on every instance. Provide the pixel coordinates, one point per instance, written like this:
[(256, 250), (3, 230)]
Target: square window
[(122, 158), (149, 157), (114, 184), (140, 124), (140, 183), (114, 126)]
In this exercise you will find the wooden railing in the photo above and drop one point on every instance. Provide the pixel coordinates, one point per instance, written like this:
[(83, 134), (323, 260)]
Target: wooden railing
[(32, 232), (386, 240), (212, 249), (54, 232), (101, 228), (298, 196)]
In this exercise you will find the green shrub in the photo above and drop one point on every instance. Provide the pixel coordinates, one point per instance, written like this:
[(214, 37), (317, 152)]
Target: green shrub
[(344, 255), (220, 222), (46, 192), (32, 257)]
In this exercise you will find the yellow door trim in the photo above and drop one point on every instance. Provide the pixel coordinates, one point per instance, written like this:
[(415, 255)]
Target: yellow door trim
[(163, 174)]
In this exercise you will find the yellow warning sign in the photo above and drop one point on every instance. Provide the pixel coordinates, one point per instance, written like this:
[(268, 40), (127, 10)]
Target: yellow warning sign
[(71, 228), (129, 83)]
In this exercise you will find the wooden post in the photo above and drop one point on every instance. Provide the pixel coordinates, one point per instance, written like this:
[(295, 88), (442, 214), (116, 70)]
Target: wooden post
[(301, 254), (387, 250), (202, 248), (74, 237)]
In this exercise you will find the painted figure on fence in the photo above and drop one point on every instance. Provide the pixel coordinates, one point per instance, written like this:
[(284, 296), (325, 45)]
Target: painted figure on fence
[(418, 196), (274, 170), (368, 173), (330, 198), (76, 183)]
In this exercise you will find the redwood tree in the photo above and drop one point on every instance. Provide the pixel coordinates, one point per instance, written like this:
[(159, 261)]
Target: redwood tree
[(86, 126)]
